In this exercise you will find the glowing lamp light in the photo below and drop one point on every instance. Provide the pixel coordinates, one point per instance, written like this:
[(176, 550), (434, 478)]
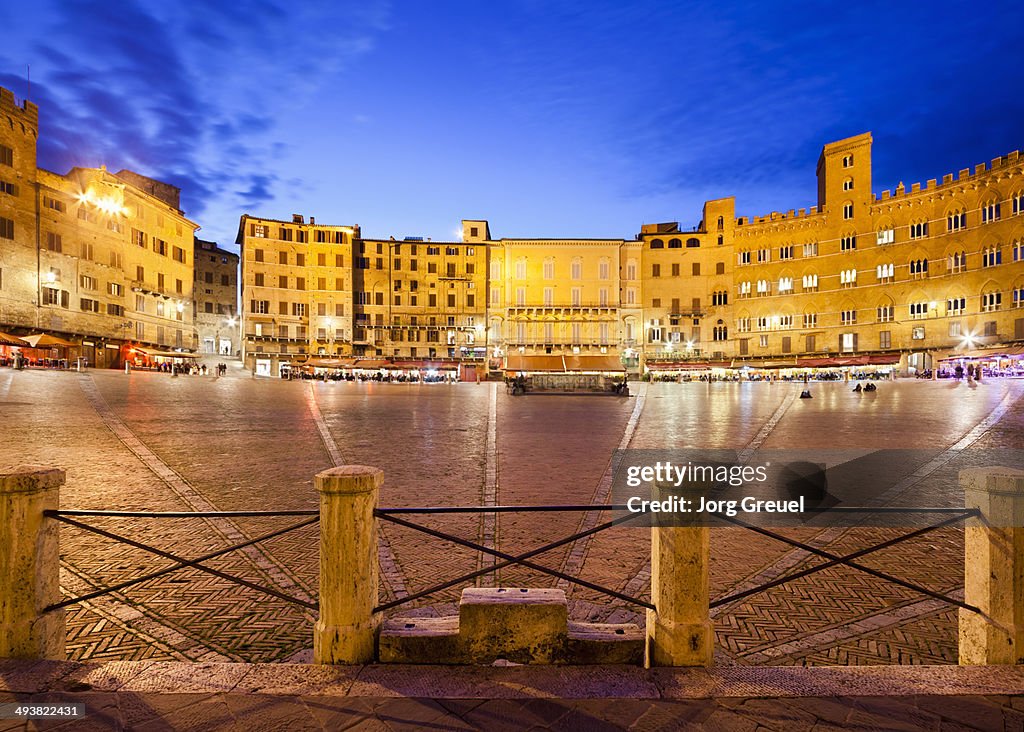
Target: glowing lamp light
[(181, 307), (107, 205), (689, 344), (231, 322), (51, 276), (968, 340)]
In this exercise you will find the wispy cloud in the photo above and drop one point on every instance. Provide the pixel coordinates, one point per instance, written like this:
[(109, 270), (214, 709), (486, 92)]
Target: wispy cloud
[(190, 93)]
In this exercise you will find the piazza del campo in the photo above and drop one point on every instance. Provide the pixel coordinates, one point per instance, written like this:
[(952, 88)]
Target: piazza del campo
[(198, 407)]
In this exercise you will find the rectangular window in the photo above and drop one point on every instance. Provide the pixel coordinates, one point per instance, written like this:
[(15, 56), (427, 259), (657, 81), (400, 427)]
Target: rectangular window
[(885, 313), (53, 242), (6, 228), (53, 296), (6, 155), (696, 269), (885, 236), (655, 270), (90, 306), (885, 339), (179, 255), (847, 243), (811, 249)]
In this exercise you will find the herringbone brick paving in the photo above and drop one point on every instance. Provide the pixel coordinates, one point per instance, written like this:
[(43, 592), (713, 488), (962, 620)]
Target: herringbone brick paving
[(242, 444)]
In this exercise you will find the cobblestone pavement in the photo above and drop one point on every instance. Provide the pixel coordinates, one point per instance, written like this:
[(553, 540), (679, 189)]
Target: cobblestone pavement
[(150, 441)]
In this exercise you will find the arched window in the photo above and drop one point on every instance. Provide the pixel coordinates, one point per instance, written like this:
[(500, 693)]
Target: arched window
[(990, 211), (991, 300), (657, 244), (675, 244), (958, 262), (886, 311), (991, 256), (721, 223), (692, 242), (956, 220)]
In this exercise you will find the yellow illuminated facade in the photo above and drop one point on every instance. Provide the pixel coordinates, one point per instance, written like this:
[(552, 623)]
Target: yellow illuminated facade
[(908, 275), (100, 259)]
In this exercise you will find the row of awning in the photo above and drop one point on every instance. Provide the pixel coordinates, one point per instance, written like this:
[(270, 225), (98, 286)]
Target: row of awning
[(153, 353), (885, 359), (564, 364), (994, 352), (377, 363)]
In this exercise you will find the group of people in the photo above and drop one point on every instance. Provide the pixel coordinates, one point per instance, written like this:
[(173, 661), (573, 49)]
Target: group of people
[(413, 377), (188, 369), (867, 387)]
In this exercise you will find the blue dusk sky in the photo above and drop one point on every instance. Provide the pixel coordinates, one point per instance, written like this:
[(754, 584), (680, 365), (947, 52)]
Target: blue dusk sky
[(546, 118)]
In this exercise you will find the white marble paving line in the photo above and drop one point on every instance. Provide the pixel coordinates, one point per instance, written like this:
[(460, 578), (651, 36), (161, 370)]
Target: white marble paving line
[(261, 560), (577, 554), (794, 557), (824, 639), (139, 621), (489, 521), (642, 579), (391, 572)]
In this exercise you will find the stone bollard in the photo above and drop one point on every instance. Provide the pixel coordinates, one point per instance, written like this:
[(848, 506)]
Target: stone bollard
[(679, 632), (993, 567), (30, 563), (346, 632)]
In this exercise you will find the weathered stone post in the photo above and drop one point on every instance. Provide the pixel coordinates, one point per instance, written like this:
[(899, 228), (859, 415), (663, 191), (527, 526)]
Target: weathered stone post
[(679, 632), (29, 563), (993, 567), (347, 629)]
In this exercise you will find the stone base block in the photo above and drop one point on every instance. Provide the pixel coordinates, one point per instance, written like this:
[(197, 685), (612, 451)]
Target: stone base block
[(521, 625)]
